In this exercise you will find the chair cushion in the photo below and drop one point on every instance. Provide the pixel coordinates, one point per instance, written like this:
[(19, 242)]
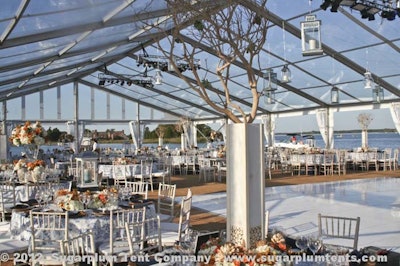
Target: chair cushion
[(168, 238), (121, 249)]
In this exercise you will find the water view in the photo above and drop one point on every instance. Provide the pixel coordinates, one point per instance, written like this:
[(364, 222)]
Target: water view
[(342, 141)]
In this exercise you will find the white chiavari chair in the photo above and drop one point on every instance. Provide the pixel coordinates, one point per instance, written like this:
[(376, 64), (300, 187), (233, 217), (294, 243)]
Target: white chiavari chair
[(342, 229), (206, 170), (146, 173), (80, 247), (138, 188), (7, 199), (119, 174), (166, 202), (144, 237), (173, 232), (326, 166), (48, 229), (117, 248), (394, 160), (384, 159)]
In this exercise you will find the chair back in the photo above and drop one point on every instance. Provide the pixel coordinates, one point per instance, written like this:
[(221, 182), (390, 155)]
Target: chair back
[(81, 247), (119, 174), (184, 217), (166, 199), (48, 230), (139, 188), (342, 228), (7, 199), (118, 219), (146, 168), (144, 236), (153, 235)]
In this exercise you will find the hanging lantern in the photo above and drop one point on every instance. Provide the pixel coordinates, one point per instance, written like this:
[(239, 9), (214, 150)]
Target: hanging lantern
[(158, 77), (311, 36), (286, 75), (270, 86), (334, 95), (377, 94), (368, 80)]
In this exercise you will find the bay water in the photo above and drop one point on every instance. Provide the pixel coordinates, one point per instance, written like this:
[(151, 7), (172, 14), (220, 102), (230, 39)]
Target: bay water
[(347, 141)]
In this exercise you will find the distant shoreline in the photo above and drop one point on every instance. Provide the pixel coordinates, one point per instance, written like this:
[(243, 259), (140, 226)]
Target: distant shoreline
[(386, 130)]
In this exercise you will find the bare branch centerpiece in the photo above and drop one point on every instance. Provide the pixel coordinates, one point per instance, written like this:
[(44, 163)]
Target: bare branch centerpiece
[(234, 33)]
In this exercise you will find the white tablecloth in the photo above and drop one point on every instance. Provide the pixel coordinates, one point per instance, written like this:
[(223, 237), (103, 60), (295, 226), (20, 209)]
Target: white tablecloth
[(131, 170), (98, 224)]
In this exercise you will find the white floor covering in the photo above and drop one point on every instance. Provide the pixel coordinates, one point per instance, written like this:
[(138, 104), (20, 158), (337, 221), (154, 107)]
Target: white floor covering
[(293, 209)]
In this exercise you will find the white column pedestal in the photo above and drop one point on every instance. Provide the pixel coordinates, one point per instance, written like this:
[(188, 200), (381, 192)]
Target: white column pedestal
[(364, 139), (245, 184)]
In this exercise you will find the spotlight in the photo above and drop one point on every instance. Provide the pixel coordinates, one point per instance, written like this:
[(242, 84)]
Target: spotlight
[(371, 17), (364, 13), (335, 5), (102, 82), (325, 4), (391, 15)]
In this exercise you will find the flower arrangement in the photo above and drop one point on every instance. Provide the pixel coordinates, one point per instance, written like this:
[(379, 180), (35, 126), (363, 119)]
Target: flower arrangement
[(28, 133), (104, 199), (6, 166), (20, 164), (125, 161), (37, 164), (265, 253)]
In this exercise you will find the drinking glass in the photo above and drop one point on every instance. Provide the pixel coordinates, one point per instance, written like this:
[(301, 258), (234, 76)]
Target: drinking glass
[(189, 242), (302, 243), (39, 197), (314, 244)]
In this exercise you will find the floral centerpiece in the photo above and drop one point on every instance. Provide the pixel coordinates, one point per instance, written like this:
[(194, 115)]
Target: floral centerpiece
[(20, 168), (34, 169), (125, 161), (69, 200), (106, 199), (6, 166), (229, 254), (28, 133)]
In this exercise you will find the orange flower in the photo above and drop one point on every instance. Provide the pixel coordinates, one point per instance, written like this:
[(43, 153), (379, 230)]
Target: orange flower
[(103, 198)]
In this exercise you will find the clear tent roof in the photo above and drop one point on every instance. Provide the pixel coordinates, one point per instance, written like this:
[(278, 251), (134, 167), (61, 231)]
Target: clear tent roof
[(49, 43)]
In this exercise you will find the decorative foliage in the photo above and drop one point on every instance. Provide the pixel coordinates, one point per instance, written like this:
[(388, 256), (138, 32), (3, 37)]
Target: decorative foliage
[(28, 133), (364, 120), (264, 253), (37, 163), (20, 164)]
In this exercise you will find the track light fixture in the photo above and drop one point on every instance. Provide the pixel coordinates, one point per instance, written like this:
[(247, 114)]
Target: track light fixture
[(368, 8), (140, 80), (162, 62)]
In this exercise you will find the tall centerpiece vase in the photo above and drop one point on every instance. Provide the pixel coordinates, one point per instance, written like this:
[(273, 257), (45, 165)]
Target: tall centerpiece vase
[(21, 173), (32, 150), (160, 141), (364, 139), (245, 184)]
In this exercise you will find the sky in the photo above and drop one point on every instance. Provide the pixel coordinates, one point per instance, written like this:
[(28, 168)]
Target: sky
[(335, 32), (342, 120)]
